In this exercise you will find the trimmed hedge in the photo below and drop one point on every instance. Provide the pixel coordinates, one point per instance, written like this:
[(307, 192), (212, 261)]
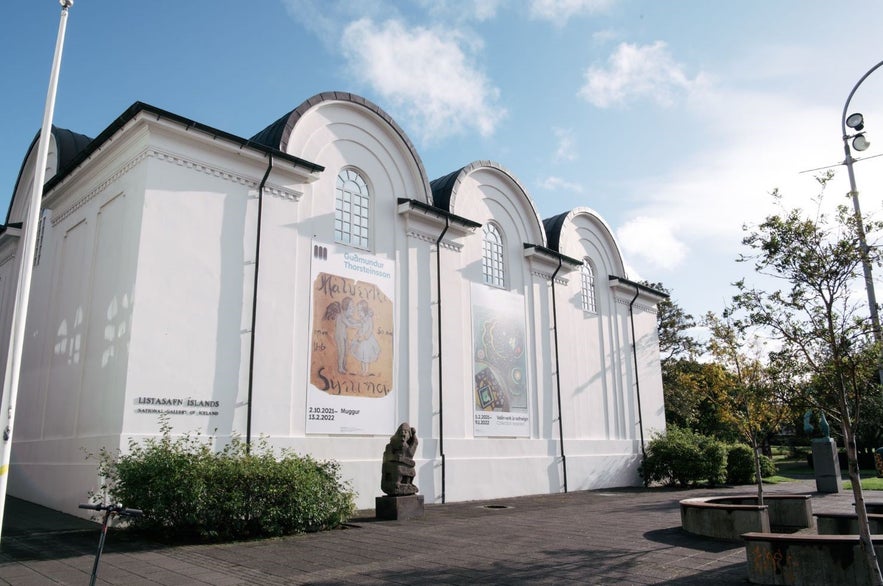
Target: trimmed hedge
[(682, 457), (188, 492)]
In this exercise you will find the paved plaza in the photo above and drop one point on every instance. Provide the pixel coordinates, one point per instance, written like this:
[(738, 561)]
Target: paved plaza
[(618, 536)]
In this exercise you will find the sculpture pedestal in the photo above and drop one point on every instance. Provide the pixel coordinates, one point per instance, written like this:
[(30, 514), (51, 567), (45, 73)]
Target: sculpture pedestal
[(826, 465), (398, 508)]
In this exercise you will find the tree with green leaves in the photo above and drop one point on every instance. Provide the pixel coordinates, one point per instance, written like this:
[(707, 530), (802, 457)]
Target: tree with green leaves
[(826, 339), (682, 375), (674, 325), (752, 402)]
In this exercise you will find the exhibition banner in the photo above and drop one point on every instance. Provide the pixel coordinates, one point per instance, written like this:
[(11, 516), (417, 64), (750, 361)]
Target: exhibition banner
[(350, 388), (500, 379)]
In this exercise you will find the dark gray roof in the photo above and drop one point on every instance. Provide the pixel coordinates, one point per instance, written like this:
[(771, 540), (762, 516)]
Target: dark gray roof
[(74, 148), (68, 144), (553, 226), (443, 187), (271, 136)]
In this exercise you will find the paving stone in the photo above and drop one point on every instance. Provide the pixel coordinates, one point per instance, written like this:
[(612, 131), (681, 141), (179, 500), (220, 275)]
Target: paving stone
[(613, 536)]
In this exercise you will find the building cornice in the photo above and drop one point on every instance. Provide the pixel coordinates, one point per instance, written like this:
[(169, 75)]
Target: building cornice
[(428, 224), (181, 161)]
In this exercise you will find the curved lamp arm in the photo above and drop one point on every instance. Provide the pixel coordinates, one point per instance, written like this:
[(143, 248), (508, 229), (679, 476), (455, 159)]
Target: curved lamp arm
[(849, 99)]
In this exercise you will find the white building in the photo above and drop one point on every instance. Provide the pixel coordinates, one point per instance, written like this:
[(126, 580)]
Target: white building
[(312, 286)]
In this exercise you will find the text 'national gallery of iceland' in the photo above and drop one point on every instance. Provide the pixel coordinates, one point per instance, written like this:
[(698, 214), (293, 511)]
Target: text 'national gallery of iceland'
[(311, 287)]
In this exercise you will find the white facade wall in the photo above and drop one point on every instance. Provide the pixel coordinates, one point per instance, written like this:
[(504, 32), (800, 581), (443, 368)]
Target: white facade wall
[(74, 365), (145, 289)]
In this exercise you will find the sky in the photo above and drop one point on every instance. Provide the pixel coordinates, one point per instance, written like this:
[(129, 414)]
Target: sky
[(673, 120)]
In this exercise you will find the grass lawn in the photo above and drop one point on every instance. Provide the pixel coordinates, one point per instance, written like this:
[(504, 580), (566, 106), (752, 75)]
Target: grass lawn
[(777, 479), (789, 469), (871, 482)]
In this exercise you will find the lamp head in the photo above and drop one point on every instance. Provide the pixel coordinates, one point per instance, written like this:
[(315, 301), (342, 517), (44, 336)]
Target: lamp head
[(856, 121), (860, 143), (66, 3)]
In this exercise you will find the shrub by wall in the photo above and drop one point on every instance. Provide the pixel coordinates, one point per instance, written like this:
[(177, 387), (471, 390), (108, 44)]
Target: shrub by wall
[(682, 457), (189, 492)]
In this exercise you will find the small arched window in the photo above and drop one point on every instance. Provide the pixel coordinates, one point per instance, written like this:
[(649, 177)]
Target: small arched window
[(492, 261), (352, 209), (587, 280)]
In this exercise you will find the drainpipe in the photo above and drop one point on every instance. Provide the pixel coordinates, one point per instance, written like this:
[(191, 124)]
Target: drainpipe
[(441, 411), (254, 304), (637, 381), (558, 376)]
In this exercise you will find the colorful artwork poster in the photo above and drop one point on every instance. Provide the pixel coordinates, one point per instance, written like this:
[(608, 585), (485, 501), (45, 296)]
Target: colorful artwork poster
[(350, 388), (500, 379)]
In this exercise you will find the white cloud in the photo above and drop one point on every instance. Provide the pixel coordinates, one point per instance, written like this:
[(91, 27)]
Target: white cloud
[(566, 149), (558, 12), (483, 9), (326, 18), (462, 10), (605, 36), (638, 71), (558, 184), (652, 240), (428, 77), (753, 142)]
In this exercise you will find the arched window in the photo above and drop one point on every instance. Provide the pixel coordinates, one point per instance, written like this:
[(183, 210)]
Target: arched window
[(351, 209), (587, 279), (492, 261)]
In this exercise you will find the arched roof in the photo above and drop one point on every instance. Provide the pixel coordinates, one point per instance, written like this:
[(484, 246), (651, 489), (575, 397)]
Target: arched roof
[(552, 226), (555, 226), (277, 134), (444, 190), (68, 144)]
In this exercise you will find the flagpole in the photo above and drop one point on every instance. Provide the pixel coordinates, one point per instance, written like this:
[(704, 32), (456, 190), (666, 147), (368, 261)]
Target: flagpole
[(26, 267)]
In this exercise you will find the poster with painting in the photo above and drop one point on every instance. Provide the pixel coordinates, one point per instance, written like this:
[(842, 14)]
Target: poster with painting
[(500, 392), (350, 388)]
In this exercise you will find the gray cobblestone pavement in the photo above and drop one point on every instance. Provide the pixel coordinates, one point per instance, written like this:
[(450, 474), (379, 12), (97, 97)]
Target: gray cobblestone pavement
[(618, 536)]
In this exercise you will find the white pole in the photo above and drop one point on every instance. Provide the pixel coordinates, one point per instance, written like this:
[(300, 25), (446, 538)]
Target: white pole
[(25, 270)]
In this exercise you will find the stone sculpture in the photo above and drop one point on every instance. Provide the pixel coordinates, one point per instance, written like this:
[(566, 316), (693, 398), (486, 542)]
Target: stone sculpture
[(397, 478)]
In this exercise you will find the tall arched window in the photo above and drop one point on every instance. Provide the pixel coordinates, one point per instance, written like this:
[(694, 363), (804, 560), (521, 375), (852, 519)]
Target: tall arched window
[(587, 279), (351, 209), (492, 261)]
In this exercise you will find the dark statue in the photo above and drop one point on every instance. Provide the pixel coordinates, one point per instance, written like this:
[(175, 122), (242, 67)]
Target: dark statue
[(397, 478), (824, 427)]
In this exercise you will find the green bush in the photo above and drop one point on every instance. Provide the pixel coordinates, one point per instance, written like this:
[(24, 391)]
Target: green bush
[(740, 465), (767, 466), (189, 492), (683, 457)]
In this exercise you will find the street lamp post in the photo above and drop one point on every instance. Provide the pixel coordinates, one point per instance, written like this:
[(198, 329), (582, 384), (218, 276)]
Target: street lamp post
[(855, 122), (25, 270)]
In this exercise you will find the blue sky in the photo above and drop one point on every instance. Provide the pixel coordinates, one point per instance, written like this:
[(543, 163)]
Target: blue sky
[(671, 119)]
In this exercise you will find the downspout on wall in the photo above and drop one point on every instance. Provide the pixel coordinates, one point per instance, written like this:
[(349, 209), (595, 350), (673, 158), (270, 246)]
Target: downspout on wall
[(659, 295), (637, 378), (572, 263), (441, 410), (558, 376), (254, 303), (463, 225)]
